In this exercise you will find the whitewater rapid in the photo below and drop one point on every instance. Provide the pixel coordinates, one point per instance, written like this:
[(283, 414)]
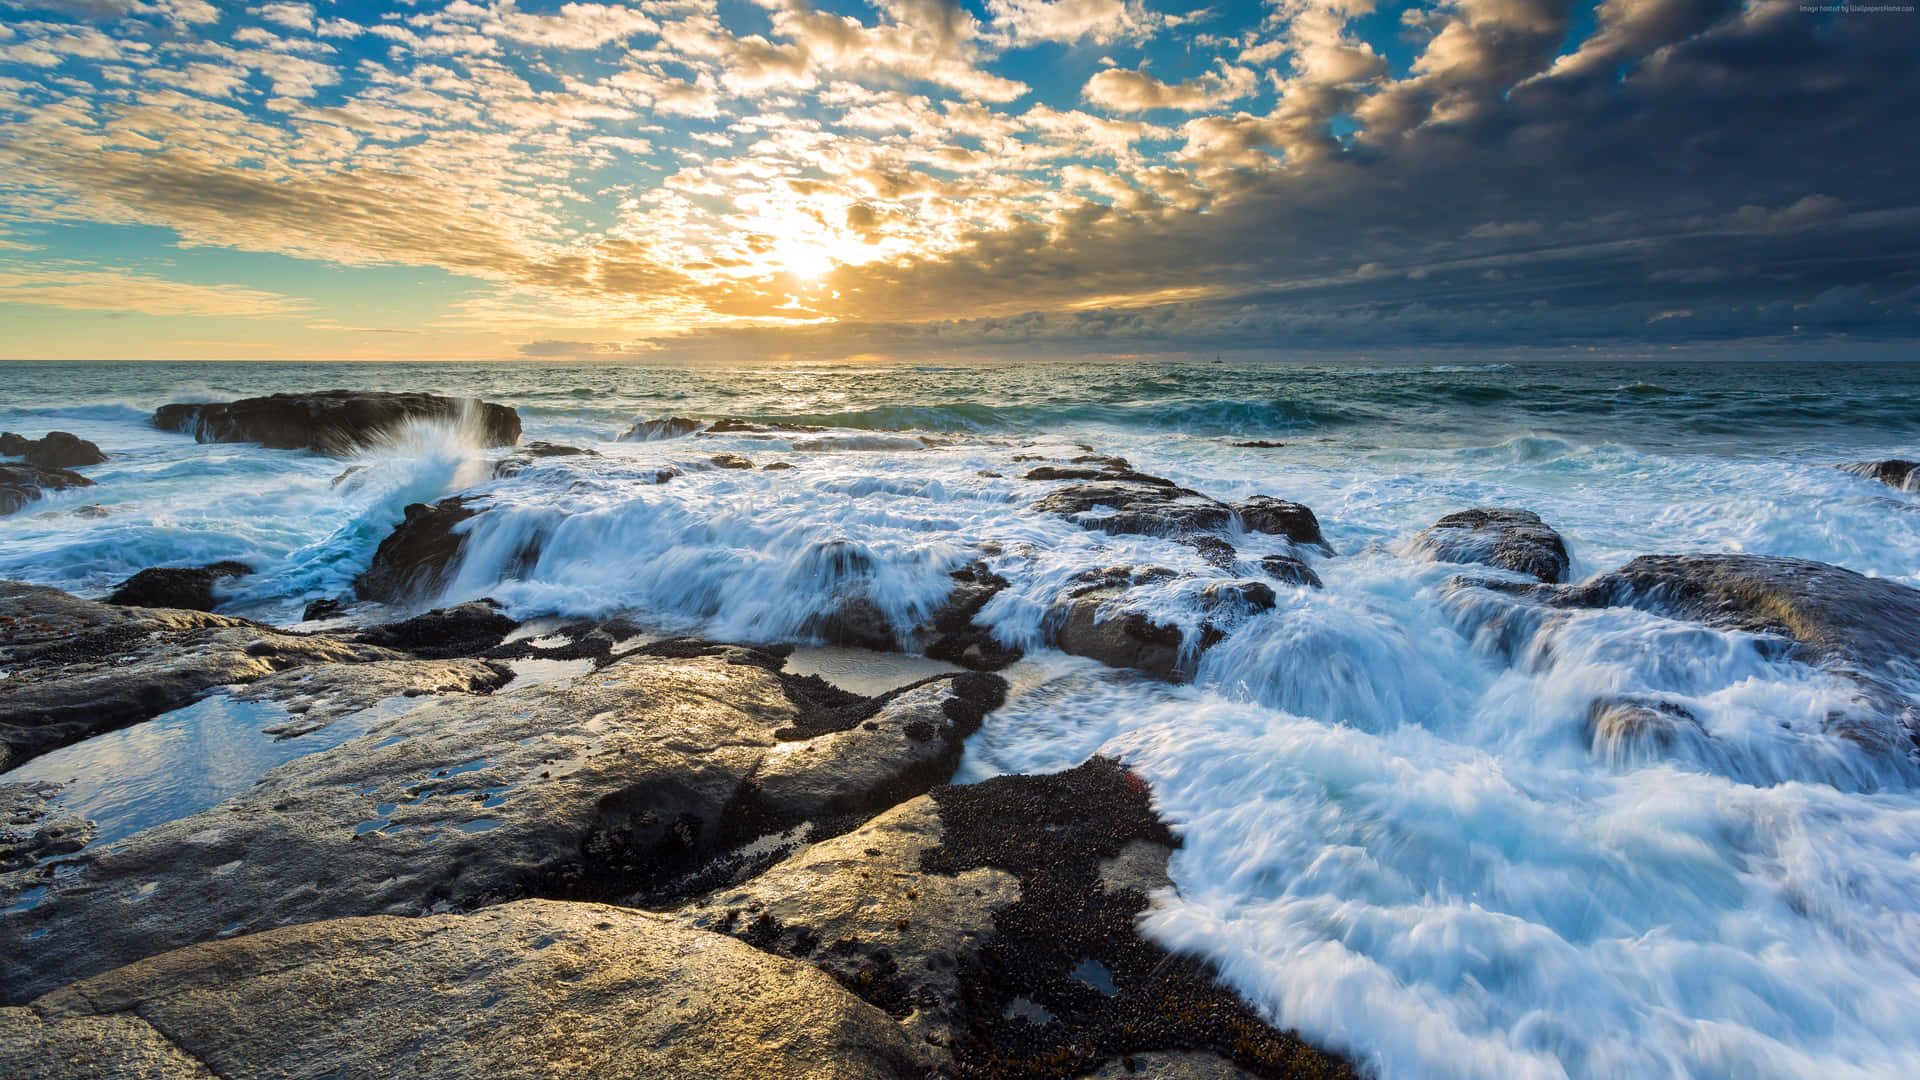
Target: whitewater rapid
[(1400, 836)]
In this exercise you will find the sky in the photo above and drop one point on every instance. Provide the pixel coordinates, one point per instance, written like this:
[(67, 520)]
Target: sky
[(832, 179)]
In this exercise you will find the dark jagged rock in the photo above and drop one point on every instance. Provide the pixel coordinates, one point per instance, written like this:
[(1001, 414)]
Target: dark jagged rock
[(973, 912), (189, 588), (1514, 540), (524, 991), (732, 461), (1278, 517), (1291, 570), (590, 788), (734, 426), (524, 456), (670, 427), (322, 609), (468, 629), (1893, 473), (413, 561), (332, 421), (1091, 619), (1147, 506), (1258, 444), (1216, 551), (75, 668), (953, 636), (22, 484), (54, 450)]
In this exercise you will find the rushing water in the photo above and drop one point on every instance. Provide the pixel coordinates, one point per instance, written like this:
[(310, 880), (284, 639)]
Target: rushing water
[(1398, 835)]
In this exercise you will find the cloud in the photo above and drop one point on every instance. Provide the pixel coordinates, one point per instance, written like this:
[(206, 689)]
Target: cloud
[(1100, 22), (1136, 91), (88, 289)]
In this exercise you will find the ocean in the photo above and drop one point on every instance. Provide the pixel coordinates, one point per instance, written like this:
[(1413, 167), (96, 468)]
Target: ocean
[(1399, 836)]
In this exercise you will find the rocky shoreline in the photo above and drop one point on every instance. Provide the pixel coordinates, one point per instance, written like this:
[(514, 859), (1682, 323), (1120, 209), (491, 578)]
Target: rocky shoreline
[(676, 857)]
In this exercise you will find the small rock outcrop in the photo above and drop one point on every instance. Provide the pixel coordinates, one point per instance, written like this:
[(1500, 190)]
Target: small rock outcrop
[(1514, 540), (1278, 517), (1132, 503), (1893, 473), (54, 450), (468, 629), (527, 454), (22, 484), (671, 427), (188, 588), (413, 561), (333, 421), (523, 991)]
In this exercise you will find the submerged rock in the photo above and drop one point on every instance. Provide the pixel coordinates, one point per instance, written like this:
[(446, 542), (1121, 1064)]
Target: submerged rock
[(527, 990), (671, 427), (1893, 473), (1278, 517), (1291, 570), (524, 457), (953, 635), (75, 668), (1093, 620), (732, 461), (54, 450), (1514, 540), (603, 785), (333, 421), (414, 559), (997, 923), (22, 484), (189, 588), (1630, 730)]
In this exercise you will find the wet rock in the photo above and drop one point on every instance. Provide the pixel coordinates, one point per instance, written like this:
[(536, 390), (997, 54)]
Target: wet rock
[(735, 426), (1147, 506), (1239, 597), (526, 455), (317, 695), (1216, 551), (189, 588), (1893, 473), (670, 427), (333, 421), (975, 911), (732, 461), (1630, 730), (414, 559), (1278, 517), (1514, 540), (775, 466), (54, 450), (527, 990), (322, 609), (22, 484), (461, 630), (74, 668), (1258, 444), (953, 635), (1093, 625), (595, 787), (31, 831), (1291, 570)]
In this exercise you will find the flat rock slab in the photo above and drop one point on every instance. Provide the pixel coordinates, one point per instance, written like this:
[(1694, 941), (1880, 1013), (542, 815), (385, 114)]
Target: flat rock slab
[(1515, 540), (333, 421), (76, 668), (534, 989), (608, 783)]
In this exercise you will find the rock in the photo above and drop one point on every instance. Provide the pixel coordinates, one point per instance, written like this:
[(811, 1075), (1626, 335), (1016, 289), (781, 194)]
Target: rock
[(1278, 517), (1216, 551), (1893, 473), (775, 466), (844, 570), (1239, 597), (533, 989), (1514, 540), (1632, 730), (1149, 506), (22, 484), (317, 695), (604, 785), (523, 457), (1293, 571), (75, 668), (322, 609), (461, 630), (732, 426), (189, 588), (953, 636), (672, 427), (973, 912), (732, 461), (333, 421), (54, 450), (415, 558), (1085, 625), (30, 832), (1258, 444)]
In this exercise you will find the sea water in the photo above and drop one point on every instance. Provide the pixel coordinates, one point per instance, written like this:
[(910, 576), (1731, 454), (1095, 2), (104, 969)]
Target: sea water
[(1398, 834)]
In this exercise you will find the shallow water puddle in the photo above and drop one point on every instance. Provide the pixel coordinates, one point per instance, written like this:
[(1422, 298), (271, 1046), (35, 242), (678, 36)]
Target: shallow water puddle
[(863, 671), (181, 762)]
